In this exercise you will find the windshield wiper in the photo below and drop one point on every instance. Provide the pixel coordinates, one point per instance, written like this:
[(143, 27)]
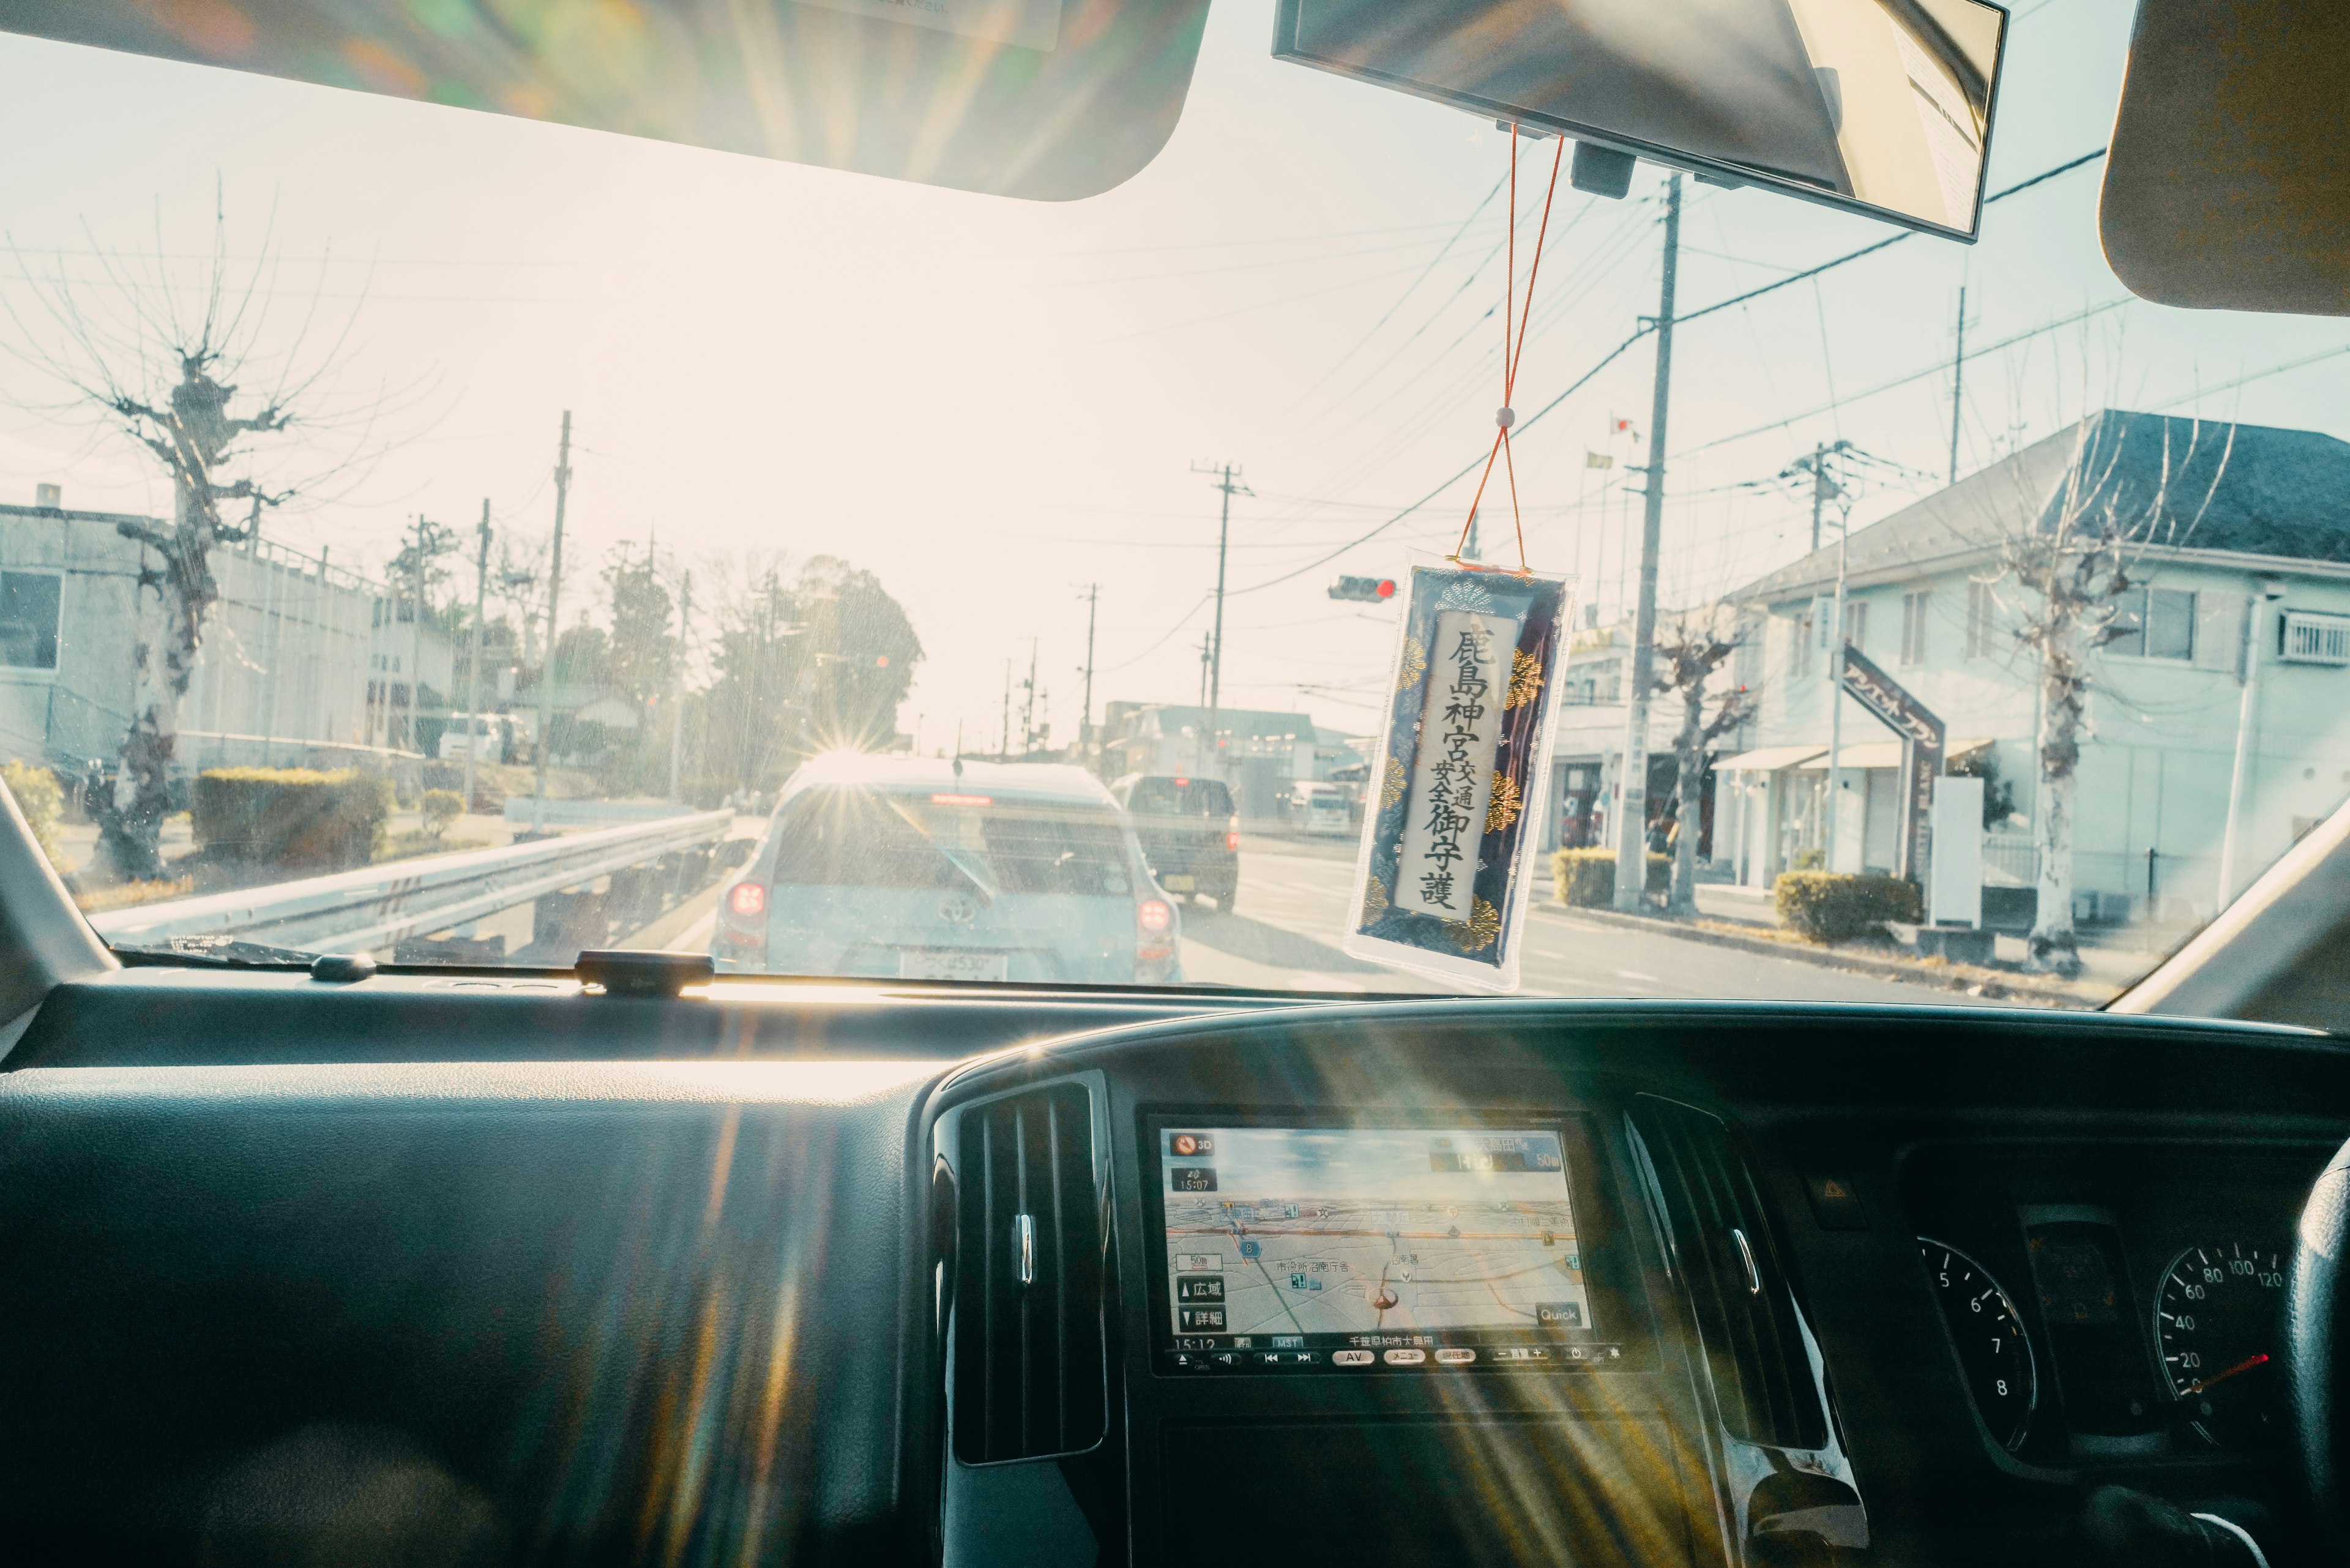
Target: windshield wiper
[(220, 952)]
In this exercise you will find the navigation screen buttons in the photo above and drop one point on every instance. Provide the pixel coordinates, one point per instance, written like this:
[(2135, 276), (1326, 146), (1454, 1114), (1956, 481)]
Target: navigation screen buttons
[(1455, 1357), (1350, 1359), (1406, 1357), (1199, 1320)]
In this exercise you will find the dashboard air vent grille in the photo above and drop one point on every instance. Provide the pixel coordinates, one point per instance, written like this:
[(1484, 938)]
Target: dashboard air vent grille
[(1721, 1251), (1029, 1377)]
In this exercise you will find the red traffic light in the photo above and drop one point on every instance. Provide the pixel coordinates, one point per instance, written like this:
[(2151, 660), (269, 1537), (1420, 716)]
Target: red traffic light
[(1363, 590)]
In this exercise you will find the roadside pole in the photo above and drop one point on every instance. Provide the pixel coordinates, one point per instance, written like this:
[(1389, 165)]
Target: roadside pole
[(1632, 791), (554, 601), (676, 696), (474, 685)]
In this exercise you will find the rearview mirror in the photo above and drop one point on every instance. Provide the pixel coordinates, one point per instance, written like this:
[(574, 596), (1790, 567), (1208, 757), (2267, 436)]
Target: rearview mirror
[(1881, 107)]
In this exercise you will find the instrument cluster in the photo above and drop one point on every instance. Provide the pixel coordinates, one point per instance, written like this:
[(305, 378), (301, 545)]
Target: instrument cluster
[(2131, 1310)]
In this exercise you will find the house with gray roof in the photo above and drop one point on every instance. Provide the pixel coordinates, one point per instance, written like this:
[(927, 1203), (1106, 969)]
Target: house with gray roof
[(2238, 573)]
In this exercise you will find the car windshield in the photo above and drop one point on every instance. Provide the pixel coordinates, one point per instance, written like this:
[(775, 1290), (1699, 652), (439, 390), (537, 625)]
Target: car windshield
[(473, 540)]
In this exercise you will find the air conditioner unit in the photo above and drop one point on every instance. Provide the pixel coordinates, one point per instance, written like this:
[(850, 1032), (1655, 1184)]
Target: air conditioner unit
[(2315, 639)]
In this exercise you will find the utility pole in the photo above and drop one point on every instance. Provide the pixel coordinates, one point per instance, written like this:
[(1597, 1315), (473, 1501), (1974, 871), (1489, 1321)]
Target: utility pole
[(1216, 652), (1835, 662), (1086, 721), (554, 603), (416, 637), (1632, 790), (474, 685), (1028, 704), (2266, 592), (677, 692), (1958, 395)]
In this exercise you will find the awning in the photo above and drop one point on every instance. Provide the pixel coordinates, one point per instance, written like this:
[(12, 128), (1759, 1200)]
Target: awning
[(1770, 759), (1864, 755), (1882, 754)]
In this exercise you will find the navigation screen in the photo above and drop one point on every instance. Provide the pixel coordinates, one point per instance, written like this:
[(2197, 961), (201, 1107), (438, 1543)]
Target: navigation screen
[(1306, 1248)]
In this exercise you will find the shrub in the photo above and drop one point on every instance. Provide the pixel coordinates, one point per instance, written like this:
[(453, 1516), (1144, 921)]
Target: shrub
[(296, 818), (1586, 878), (42, 801), (441, 807), (1828, 907)]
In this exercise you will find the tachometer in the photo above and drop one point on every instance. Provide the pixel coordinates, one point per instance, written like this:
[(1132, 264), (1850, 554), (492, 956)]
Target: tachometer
[(1992, 1347), (2216, 1320)]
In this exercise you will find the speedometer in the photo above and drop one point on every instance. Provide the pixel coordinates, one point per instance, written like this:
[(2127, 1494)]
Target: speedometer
[(2216, 1322), (1988, 1334)]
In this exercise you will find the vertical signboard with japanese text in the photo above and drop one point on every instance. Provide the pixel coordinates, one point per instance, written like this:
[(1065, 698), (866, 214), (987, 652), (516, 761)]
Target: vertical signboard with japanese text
[(1446, 862), (1923, 738)]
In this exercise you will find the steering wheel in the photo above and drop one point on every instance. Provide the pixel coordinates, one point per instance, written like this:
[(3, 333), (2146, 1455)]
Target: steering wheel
[(2315, 1331)]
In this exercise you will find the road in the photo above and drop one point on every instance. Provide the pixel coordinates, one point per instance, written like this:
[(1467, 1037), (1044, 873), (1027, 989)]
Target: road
[(1287, 918)]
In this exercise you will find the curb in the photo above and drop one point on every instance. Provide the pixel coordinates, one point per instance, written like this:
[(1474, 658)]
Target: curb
[(1973, 982)]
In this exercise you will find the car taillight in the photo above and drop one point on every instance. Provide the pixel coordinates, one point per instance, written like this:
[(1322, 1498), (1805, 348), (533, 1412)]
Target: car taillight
[(1153, 915), (1232, 832), (1232, 841), (749, 899)]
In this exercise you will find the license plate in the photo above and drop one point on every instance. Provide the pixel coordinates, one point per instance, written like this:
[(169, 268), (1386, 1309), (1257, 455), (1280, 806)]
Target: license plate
[(1179, 884), (946, 963)]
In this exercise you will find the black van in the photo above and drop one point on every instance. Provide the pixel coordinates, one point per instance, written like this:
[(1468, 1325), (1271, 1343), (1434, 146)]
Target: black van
[(1190, 838)]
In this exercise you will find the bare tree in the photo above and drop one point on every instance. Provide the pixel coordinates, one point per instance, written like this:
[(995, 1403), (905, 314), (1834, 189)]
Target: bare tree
[(2074, 558), (1689, 651), (129, 348)]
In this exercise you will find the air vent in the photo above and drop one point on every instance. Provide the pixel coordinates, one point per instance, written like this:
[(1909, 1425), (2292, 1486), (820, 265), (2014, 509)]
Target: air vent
[(1721, 1253), (1029, 1378)]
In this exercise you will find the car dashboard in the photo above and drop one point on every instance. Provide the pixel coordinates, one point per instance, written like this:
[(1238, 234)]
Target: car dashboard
[(493, 1269)]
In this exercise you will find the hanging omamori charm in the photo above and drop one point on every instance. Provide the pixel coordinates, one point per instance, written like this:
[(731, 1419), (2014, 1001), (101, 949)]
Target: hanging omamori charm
[(1449, 837)]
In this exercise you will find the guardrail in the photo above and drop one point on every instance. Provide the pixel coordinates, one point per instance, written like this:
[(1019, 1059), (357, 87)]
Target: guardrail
[(374, 908)]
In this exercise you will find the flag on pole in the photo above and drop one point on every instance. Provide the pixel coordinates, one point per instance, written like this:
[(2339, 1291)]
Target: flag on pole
[(1597, 459)]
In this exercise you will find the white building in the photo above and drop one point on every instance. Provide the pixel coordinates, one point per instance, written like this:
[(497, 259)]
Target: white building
[(302, 661), (2240, 574)]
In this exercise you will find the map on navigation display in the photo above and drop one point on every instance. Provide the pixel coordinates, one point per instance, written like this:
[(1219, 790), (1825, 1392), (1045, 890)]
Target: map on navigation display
[(1318, 1232)]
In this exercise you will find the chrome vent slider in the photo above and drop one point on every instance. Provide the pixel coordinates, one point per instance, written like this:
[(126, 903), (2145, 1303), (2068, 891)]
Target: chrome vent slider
[(1024, 1246), (1745, 1255)]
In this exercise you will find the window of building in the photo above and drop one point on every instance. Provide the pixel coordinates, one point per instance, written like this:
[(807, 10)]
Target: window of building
[(29, 606), (1803, 642), (1981, 609), (1856, 624), (2155, 623), (1913, 628)]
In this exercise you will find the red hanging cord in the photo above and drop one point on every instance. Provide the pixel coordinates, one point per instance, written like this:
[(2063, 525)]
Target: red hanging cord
[(1513, 342)]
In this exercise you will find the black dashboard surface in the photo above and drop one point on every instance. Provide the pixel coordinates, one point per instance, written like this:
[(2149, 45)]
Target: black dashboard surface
[(564, 1308)]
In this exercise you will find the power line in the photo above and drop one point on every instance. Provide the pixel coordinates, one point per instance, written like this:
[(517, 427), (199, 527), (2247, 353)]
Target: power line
[(1680, 319), (1442, 252), (2044, 175), (1934, 370)]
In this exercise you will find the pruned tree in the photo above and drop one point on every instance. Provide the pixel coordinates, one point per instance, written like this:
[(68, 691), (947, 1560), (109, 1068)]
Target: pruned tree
[(2073, 559), (1689, 651), (820, 664), (170, 376)]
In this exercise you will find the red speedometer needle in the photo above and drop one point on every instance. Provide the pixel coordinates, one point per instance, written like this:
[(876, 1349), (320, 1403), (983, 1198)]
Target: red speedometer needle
[(2246, 1364)]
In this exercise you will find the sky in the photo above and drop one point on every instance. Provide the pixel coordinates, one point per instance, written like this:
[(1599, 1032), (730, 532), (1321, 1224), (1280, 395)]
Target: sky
[(993, 404)]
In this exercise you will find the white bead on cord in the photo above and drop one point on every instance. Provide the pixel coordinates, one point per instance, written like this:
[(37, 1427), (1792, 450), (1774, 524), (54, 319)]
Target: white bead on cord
[(1505, 416)]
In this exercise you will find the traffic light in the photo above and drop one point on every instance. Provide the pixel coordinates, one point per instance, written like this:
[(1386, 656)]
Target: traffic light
[(1363, 590)]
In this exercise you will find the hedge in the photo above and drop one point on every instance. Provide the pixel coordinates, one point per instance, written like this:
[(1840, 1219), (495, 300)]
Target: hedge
[(43, 802), (1586, 878), (293, 817), (1829, 907)]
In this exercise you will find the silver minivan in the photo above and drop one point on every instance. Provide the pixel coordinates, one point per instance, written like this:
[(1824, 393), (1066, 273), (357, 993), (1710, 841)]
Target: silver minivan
[(918, 868)]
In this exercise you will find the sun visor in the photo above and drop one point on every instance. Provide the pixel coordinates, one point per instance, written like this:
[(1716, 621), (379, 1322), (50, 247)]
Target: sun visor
[(1050, 100), (2228, 187)]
